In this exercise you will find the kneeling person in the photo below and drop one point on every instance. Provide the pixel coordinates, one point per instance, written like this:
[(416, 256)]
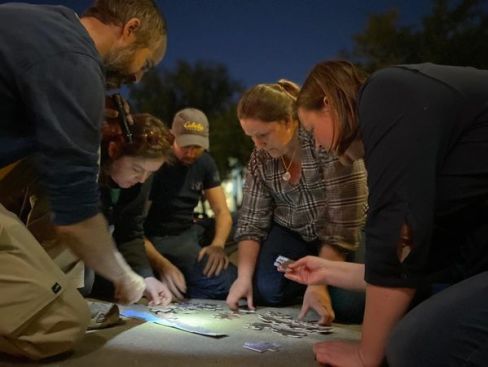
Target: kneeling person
[(130, 153), (174, 247)]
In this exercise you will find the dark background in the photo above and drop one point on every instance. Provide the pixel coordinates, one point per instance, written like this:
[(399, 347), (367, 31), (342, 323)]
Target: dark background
[(264, 40), (218, 48)]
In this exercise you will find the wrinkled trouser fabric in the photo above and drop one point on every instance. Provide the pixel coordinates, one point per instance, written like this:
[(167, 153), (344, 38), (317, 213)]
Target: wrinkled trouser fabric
[(182, 250), (450, 329), (41, 312)]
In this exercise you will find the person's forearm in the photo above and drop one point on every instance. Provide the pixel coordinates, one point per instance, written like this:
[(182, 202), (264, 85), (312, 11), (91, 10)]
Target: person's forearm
[(92, 243), (384, 308), (223, 225), (346, 275), (342, 274), (134, 253), (248, 254), (156, 260), (331, 253)]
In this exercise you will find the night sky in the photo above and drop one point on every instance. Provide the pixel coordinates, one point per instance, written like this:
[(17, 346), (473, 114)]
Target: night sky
[(265, 40)]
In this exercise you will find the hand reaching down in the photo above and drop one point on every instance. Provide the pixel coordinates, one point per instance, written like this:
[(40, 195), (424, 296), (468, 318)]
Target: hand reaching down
[(156, 292), (216, 262), (339, 353), (173, 278), (317, 298), (241, 288)]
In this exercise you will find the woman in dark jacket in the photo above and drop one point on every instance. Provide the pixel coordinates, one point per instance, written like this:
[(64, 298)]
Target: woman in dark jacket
[(423, 133)]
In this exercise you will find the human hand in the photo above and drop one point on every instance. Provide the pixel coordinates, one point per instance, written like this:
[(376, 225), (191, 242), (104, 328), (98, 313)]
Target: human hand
[(173, 278), (217, 260), (339, 353), (241, 288), (129, 288), (317, 298), (309, 270), (156, 292)]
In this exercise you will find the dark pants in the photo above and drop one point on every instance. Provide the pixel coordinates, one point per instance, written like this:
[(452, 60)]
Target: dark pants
[(182, 250), (273, 289), (450, 329)]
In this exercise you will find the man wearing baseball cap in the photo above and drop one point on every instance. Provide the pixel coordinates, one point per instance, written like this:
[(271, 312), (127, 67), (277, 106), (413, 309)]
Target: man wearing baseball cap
[(174, 239)]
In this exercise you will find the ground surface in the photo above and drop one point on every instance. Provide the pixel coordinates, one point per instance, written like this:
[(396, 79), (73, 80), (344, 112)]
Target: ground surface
[(141, 343)]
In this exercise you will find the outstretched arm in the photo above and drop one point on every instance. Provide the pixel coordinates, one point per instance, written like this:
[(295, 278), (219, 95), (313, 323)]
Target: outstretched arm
[(315, 270), (242, 287), (90, 240), (384, 308)]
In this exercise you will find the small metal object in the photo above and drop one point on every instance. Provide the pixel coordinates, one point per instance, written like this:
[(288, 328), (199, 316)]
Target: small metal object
[(122, 118)]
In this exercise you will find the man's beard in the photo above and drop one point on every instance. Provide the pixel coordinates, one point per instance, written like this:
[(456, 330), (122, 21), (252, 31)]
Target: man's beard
[(117, 64)]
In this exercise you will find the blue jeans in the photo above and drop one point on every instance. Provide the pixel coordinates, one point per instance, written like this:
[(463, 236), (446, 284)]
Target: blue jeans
[(271, 288), (182, 250)]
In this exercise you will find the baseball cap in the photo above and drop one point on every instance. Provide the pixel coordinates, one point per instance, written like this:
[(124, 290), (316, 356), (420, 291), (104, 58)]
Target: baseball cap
[(190, 127)]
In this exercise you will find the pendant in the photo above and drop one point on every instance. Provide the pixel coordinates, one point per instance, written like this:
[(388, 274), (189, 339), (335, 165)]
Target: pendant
[(286, 176)]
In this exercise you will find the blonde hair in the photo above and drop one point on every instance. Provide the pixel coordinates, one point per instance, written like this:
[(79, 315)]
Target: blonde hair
[(269, 102)]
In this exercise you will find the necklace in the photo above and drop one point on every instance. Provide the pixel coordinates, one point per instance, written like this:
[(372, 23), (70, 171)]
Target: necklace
[(287, 175)]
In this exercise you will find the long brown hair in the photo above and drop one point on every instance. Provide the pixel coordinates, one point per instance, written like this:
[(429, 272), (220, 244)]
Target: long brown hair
[(339, 82), (269, 102)]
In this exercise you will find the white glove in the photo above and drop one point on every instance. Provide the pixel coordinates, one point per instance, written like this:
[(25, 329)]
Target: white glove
[(130, 286)]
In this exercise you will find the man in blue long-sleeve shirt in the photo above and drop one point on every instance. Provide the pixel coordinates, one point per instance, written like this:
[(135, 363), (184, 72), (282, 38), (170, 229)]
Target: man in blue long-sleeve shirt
[(52, 85)]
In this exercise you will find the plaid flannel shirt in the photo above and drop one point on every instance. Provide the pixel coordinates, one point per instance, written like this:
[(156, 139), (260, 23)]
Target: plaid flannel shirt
[(329, 203)]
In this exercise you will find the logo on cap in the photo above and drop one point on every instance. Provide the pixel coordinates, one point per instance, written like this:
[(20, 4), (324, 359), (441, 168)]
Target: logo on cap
[(194, 126), (190, 127)]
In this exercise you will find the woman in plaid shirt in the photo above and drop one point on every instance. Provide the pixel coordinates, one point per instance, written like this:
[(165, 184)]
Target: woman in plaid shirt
[(298, 201)]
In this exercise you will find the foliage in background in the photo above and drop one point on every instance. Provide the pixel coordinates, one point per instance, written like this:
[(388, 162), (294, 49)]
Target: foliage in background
[(455, 33), (208, 87)]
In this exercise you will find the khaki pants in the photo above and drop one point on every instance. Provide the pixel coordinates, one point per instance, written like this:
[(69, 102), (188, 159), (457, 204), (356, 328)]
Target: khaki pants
[(41, 312)]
